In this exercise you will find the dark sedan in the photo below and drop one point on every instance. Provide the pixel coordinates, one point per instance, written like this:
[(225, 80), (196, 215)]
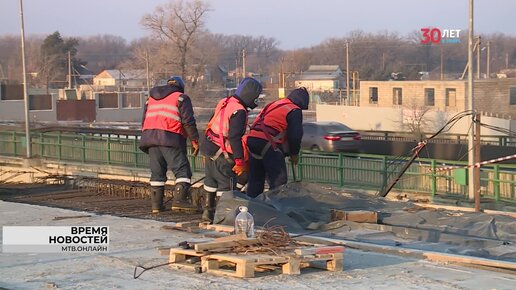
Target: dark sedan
[(330, 137)]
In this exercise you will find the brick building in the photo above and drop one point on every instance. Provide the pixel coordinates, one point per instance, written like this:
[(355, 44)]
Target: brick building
[(495, 97)]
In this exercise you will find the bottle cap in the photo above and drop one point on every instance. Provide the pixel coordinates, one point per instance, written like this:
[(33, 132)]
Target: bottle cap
[(242, 208)]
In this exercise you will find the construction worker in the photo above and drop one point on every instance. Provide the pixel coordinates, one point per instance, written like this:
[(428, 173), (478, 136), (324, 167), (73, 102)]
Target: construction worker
[(276, 133), (222, 147), (168, 120)]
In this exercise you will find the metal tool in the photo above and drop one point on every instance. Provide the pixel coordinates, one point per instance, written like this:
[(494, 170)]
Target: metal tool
[(197, 181), (293, 167)]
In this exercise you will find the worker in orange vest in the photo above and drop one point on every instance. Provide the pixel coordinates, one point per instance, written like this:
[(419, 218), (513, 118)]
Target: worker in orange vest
[(275, 133), (168, 121), (222, 144)]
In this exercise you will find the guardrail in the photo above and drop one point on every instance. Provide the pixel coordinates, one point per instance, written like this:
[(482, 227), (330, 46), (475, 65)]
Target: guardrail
[(442, 138), (341, 169), (366, 135)]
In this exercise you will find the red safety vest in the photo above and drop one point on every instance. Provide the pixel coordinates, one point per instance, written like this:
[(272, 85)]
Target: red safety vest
[(274, 116), (217, 130), (164, 114)]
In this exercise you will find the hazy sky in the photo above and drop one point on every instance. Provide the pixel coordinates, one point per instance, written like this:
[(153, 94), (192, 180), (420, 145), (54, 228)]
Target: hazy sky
[(295, 23)]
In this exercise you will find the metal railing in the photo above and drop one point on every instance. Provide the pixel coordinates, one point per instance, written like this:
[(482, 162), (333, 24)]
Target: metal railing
[(364, 171), (442, 138)]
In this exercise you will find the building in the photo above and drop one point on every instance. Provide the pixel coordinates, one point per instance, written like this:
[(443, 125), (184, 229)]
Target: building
[(115, 79), (322, 78), (493, 97)]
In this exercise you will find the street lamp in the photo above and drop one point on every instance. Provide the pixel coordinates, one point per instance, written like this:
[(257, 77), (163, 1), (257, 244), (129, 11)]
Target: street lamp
[(25, 95)]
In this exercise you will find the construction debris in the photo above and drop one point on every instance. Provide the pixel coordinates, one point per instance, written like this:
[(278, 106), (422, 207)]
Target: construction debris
[(242, 257)]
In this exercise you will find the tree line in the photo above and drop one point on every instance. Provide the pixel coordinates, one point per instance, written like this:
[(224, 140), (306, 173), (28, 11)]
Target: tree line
[(180, 43)]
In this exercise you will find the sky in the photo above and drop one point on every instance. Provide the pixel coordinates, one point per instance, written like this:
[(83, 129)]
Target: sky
[(294, 23)]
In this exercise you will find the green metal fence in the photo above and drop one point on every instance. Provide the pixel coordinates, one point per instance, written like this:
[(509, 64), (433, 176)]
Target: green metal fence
[(341, 169)]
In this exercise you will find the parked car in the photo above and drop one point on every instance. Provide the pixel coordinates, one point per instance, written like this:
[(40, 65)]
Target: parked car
[(330, 137)]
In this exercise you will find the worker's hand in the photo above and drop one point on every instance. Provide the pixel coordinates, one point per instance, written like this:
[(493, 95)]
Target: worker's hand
[(240, 167), (195, 147), (294, 159)]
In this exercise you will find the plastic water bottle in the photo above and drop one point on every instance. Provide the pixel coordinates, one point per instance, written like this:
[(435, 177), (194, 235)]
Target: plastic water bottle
[(244, 222)]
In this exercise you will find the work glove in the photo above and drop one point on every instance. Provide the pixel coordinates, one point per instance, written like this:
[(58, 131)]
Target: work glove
[(240, 167), (294, 159), (195, 147), (242, 180)]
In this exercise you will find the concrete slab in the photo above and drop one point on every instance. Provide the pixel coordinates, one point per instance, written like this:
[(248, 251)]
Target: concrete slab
[(136, 241)]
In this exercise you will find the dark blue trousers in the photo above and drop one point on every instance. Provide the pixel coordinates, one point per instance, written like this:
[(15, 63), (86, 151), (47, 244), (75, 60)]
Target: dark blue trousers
[(271, 168)]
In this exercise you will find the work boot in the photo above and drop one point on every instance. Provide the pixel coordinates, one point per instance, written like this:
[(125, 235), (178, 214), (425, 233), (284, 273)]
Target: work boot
[(157, 199), (180, 194), (209, 206)]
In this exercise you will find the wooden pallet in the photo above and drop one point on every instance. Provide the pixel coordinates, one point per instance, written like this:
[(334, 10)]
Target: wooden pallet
[(181, 259), (245, 266)]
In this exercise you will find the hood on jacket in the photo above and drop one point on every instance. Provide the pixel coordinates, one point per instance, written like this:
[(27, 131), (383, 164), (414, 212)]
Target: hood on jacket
[(160, 92), (248, 91), (300, 97)]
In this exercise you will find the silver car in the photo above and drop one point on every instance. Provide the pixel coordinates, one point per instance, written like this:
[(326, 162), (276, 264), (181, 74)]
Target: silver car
[(330, 137)]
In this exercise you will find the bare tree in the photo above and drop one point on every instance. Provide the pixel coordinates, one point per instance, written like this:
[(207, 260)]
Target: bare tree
[(102, 52), (179, 23), (415, 119)]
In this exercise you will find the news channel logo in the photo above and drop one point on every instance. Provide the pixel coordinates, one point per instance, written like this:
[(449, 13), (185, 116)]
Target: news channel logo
[(434, 35), (55, 239)]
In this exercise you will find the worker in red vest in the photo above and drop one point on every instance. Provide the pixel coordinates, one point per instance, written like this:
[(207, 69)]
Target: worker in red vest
[(222, 144), (168, 121), (275, 133)]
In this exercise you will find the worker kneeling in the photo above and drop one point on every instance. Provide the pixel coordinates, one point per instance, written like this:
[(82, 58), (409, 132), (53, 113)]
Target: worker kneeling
[(276, 133), (222, 145)]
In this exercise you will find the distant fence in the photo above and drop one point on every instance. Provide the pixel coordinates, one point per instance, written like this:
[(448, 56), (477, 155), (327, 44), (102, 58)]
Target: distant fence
[(364, 171)]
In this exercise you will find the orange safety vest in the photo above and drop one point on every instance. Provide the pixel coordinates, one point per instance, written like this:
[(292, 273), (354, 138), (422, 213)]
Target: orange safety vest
[(273, 116), (244, 146), (164, 114), (217, 130)]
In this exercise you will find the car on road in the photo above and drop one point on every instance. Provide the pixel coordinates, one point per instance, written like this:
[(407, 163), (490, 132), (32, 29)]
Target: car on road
[(330, 137)]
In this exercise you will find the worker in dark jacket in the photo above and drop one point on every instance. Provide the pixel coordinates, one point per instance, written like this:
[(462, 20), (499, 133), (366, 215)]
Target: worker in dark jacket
[(222, 144), (276, 133), (168, 120)]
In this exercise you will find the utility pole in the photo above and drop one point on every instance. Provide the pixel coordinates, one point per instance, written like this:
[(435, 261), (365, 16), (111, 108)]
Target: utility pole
[(69, 70), (25, 94), (243, 63), (442, 63), (348, 101), (383, 61), (281, 81), (237, 69), (470, 106), (147, 68), (488, 60), (476, 169), (356, 79), (478, 57)]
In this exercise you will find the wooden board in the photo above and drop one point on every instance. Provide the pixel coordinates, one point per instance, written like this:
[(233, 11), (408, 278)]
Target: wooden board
[(187, 225), (230, 238), (358, 216), (420, 254), (211, 246), (466, 209), (319, 250), (221, 228)]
